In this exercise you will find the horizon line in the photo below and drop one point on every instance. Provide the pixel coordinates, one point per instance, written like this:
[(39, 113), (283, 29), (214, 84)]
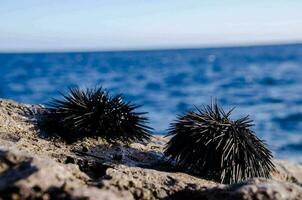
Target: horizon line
[(146, 49)]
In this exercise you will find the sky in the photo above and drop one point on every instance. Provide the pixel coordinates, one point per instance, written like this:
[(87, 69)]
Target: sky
[(72, 25)]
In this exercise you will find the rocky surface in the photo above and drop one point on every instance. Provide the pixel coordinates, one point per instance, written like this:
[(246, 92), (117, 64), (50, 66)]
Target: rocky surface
[(33, 166)]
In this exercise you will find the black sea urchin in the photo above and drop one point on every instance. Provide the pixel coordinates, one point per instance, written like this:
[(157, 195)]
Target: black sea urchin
[(209, 143), (93, 113)]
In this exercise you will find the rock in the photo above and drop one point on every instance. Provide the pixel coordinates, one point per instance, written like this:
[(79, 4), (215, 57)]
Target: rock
[(288, 171), (34, 166), (253, 189), (31, 177)]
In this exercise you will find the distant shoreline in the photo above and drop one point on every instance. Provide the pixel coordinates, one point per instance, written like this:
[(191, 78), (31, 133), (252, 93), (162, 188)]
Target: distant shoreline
[(155, 49)]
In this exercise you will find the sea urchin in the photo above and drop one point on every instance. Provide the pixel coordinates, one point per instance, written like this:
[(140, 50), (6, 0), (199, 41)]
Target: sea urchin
[(209, 143), (93, 113)]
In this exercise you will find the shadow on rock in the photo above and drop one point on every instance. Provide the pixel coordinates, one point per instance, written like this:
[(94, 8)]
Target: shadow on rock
[(105, 156), (12, 170), (207, 194)]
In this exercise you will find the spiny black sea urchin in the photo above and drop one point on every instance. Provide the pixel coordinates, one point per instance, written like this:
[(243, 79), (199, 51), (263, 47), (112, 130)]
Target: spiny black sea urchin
[(93, 113), (210, 144)]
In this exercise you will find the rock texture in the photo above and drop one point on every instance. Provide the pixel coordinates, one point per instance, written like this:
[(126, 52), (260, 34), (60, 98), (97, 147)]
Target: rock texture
[(34, 166)]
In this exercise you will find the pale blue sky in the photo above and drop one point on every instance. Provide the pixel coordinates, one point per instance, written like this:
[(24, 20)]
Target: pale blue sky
[(49, 25)]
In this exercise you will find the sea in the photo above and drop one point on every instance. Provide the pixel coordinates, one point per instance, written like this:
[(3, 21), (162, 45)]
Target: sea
[(264, 82)]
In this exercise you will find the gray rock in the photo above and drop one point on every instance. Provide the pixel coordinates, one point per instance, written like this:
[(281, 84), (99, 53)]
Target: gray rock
[(33, 166)]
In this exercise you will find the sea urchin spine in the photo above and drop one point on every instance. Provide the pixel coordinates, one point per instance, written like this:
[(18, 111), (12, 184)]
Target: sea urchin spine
[(93, 113), (209, 143)]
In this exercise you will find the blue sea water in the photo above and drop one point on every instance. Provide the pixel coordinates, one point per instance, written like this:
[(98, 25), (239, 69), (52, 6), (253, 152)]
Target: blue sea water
[(264, 82)]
